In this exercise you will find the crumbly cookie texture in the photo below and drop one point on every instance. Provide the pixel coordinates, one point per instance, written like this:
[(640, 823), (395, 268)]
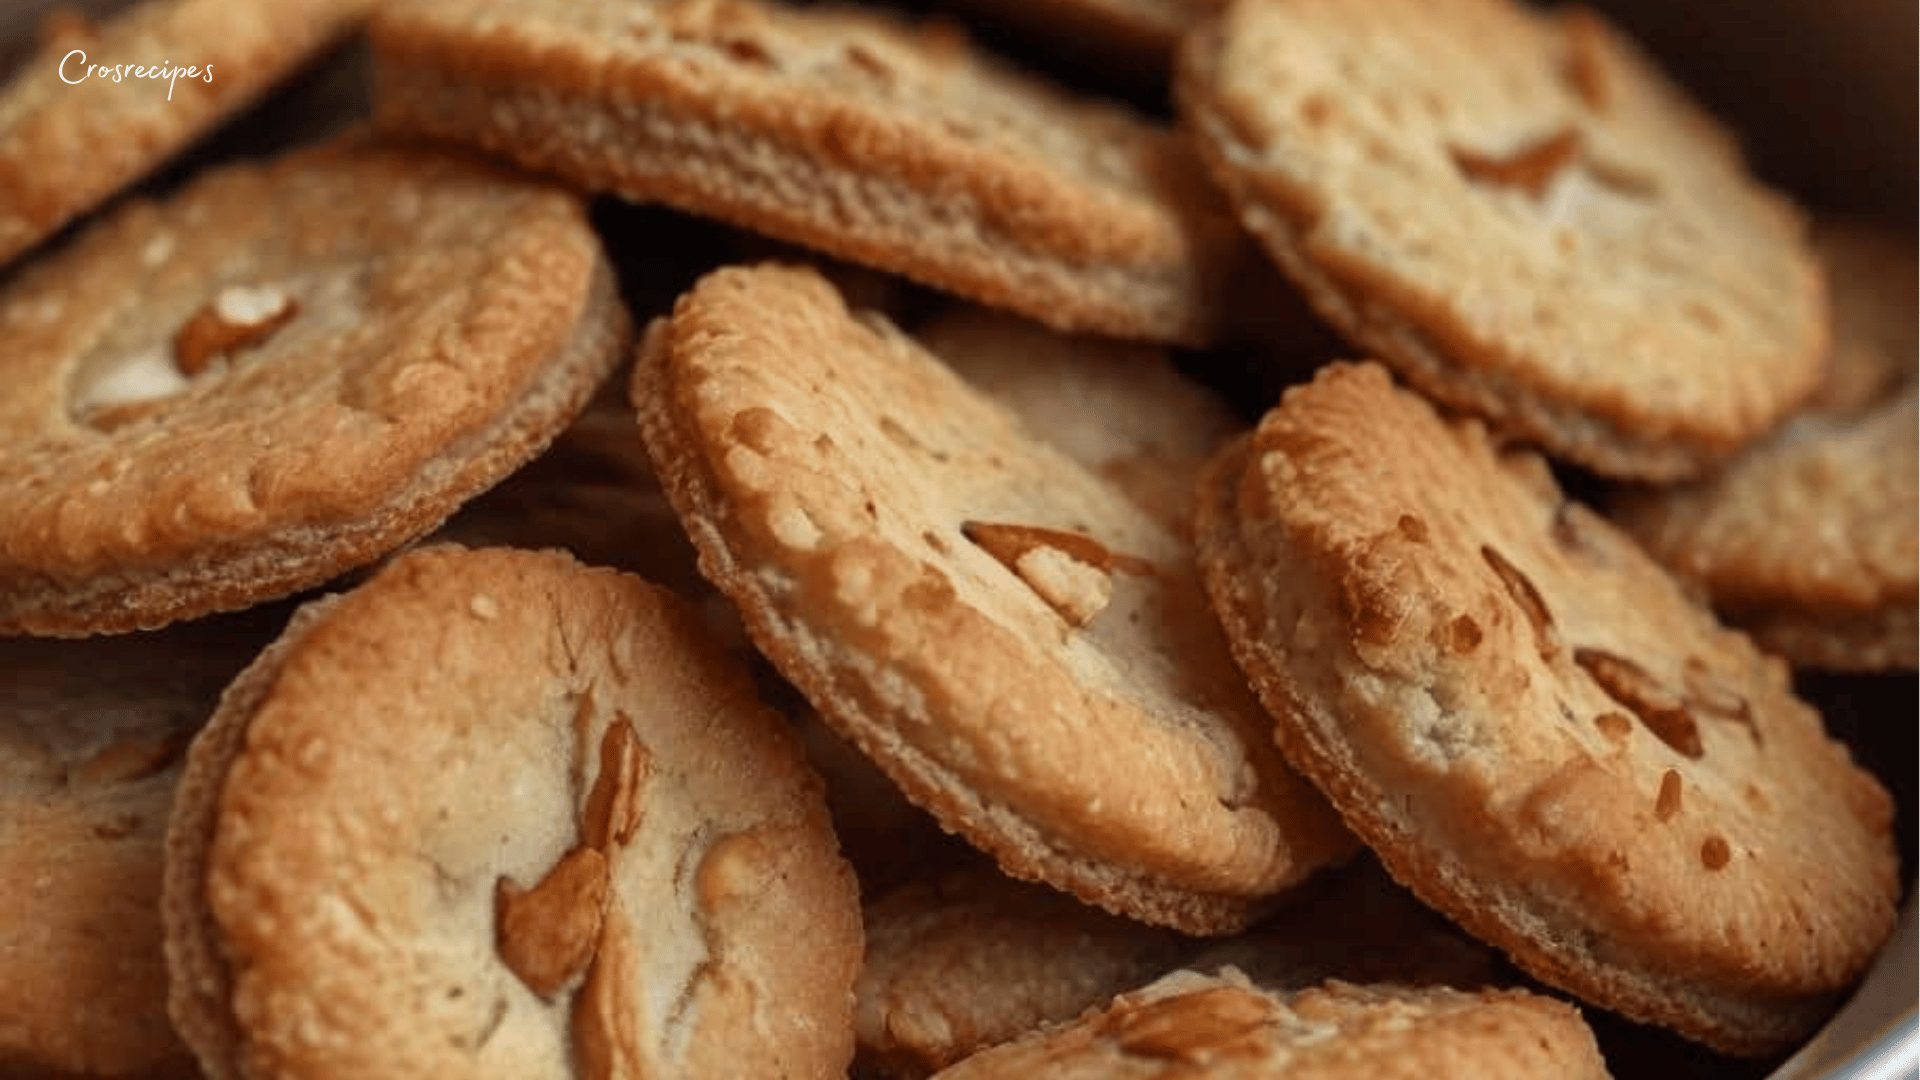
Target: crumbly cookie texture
[(281, 373), (69, 141), (1535, 728), (843, 130), (1226, 1028), (1026, 651), (1521, 215), (494, 813), (1810, 540)]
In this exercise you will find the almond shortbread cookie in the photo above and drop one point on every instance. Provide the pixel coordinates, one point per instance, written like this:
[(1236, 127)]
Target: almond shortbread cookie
[(1810, 540), (1535, 728), (70, 139), (495, 814), (1222, 1027), (93, 737), (839, 129), (1024, 650), (1521, 215), (281, 373)]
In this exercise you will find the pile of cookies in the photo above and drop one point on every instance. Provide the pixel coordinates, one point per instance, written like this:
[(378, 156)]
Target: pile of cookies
[(724, 538)]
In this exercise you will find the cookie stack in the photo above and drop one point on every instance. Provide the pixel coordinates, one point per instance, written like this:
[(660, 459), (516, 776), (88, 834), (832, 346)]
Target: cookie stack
[(722, 538)]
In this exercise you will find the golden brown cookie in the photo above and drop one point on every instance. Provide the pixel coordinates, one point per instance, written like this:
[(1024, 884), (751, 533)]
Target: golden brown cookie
[(1521, 215), (93, 736), (283, 372), (839, 129), (1810, 540), (1535, 728), (970, 959), (494, 813), (1221, 1027), (72, 135), (1120, 410), (1024, 650)]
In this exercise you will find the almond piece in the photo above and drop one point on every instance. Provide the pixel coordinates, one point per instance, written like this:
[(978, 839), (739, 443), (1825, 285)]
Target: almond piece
[(547, 935)]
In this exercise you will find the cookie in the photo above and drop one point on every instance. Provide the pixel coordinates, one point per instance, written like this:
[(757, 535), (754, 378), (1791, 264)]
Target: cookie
[(1535, 728), (71, 136), (93, 736), (970, 959), (1025, 651), (961, 961), (1120, 410), (497, 814), (1223, 1027), (281, 373), (1518, 213), (839, 129), (1810, 540)]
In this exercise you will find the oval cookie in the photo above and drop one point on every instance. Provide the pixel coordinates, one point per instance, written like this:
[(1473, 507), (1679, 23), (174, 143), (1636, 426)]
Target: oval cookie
[(841, 129), (281, 373), (1188, 1026), (1535, 728), (1022, 648), (494, 814), (1520, 215)]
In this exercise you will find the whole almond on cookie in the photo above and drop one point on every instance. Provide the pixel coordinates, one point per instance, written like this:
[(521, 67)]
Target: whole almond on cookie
[(496, 814), (283, 372), (1535, 727), (1518, 213)]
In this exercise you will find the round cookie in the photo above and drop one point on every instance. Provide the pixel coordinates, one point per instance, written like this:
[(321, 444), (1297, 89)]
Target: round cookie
[(1535, 728), (1120, 410), (93, 737), (1810, 540), (839, 129), (281, 373), (1518, 213), (1025, 651), (497, 814), (1222, 1027), (69, 140)]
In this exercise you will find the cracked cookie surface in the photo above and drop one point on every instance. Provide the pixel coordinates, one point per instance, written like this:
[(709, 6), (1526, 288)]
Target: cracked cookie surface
[(494, 813), (1535, 727)]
